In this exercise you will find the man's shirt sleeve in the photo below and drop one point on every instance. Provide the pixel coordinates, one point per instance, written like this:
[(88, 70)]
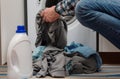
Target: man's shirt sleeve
[(66, 7)]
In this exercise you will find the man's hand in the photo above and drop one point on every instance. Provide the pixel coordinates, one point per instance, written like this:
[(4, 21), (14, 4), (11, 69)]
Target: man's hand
[(49, 14)]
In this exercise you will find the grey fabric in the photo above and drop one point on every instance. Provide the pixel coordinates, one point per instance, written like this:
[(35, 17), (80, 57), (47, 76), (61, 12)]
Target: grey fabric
[(54, 37), (52, 63), (81, 65), (54, 33), (57, 68)]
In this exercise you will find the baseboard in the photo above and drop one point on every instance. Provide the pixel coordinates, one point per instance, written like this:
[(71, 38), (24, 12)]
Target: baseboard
[(110, 57)]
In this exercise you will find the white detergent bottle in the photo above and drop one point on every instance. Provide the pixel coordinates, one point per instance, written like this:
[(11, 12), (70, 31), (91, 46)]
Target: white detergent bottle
[(19, 56)]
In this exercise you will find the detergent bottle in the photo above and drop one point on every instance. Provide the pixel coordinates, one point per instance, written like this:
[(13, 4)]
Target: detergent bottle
[(19, 56)]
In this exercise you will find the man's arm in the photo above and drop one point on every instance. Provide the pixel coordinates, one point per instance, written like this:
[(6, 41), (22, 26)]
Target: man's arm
[(65, 7)]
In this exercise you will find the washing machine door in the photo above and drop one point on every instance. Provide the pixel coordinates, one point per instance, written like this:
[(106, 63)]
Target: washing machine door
[(76, 31), (79, 33)]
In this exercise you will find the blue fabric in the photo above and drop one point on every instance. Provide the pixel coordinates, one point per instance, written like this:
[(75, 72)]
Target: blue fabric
[(102, 16), (37, 53), (84, 50)]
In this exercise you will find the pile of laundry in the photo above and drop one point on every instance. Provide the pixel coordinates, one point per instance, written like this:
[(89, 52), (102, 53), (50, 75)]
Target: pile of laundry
[(73, 59), (53, 57)]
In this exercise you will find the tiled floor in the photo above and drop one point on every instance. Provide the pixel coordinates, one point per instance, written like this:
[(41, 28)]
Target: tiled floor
[(70, 77), (77, 77), (73, 77)]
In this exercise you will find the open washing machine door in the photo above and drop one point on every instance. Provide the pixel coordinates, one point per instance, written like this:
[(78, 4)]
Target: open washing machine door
[(76, 31), (79, 33)]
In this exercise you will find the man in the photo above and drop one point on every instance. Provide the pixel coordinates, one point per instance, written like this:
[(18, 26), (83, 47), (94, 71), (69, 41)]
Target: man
[(102, 16)]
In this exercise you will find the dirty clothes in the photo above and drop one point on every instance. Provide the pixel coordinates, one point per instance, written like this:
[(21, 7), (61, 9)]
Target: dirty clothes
[(37, 53), (75, 62), (86, 51), (54, 34), (52, 63), (48, 58), (79, 64)]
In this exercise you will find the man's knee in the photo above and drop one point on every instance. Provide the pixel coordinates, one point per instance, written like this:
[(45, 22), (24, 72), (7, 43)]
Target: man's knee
[(85, 9), (83, 6)]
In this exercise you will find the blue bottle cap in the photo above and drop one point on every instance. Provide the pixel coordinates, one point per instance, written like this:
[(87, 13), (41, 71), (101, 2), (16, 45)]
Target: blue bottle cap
[(20, 29)]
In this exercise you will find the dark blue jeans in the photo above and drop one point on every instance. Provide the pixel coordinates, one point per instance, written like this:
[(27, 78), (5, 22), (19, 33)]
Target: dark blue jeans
[(102, 16)]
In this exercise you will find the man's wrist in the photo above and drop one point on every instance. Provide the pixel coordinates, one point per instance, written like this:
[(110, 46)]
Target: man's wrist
[(55, 13)]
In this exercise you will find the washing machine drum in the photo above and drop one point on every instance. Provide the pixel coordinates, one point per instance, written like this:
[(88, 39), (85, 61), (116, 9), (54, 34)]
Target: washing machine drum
[(50, 3)]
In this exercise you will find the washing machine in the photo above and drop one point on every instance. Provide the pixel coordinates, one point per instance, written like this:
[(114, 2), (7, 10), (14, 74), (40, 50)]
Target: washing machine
[(76, 31)]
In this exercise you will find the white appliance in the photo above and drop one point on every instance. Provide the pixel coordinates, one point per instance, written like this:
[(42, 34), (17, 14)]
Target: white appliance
[(76, 31)]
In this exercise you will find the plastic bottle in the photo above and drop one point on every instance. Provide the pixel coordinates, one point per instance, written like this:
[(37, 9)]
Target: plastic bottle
[(19, 56)]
